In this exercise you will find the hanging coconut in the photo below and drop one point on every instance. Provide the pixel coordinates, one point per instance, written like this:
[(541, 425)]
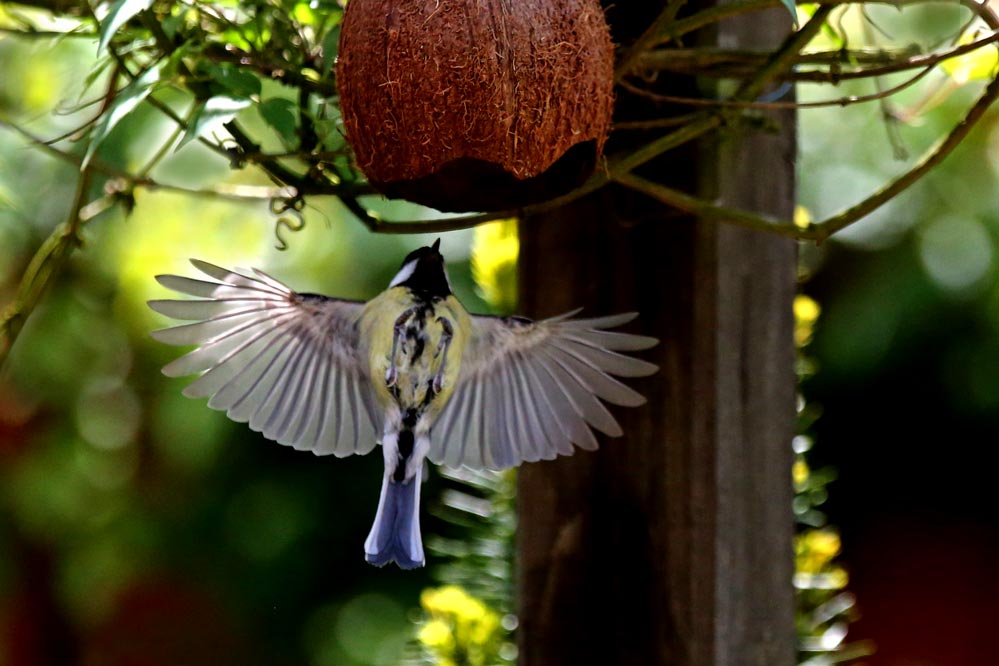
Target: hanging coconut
[(475, 105)]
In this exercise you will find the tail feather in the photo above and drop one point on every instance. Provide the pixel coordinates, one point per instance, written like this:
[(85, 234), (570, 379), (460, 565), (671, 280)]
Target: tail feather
[(395, 535)]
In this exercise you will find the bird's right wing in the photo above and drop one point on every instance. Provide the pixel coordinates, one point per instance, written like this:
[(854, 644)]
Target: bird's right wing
[(530, 390), (287, 364)]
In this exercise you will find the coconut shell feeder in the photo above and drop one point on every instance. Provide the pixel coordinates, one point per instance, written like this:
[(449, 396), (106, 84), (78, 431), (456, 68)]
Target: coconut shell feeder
[(475, 105)]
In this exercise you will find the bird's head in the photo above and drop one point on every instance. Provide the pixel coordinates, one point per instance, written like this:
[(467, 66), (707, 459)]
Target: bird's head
[(423, 270)]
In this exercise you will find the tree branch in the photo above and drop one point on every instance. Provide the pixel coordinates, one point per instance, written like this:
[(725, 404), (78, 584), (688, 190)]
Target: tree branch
[(820, 231), (740, 64), (44, 268), (734, 103), (130, 181)]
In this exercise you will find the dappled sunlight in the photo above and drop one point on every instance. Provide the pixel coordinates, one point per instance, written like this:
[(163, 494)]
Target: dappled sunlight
[(166, 229)]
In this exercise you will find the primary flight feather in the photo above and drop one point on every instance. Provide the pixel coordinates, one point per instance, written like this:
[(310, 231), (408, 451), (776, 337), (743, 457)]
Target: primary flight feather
[(410, 370)]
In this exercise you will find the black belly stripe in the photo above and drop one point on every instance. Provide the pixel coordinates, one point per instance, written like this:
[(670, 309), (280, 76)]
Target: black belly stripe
[(406, 442), (415, 332), (418, 348)]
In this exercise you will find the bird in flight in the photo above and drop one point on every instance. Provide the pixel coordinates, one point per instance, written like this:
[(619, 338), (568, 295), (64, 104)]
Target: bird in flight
[(410, 370)]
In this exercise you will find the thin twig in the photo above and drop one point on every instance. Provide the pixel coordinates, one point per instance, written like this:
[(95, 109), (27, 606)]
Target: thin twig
[(693, 130), (655, 123), (734, 103), (936, 155), (235, 192), (708, 211), (647, 39), (784, 57), (820, 231), (44, 268), (739, 64)]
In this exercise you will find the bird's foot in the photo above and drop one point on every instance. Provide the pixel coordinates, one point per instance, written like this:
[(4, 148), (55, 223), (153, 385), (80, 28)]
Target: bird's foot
[(447, 334)]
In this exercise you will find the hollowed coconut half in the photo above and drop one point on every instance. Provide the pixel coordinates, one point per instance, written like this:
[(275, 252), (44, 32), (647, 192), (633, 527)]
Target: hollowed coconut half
[(475, 105)]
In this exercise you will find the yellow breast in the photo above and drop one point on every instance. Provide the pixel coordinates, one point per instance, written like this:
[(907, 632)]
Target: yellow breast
[(419, 355)]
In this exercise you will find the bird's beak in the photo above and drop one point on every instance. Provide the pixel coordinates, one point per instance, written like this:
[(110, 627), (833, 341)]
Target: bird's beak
[(436, 247)]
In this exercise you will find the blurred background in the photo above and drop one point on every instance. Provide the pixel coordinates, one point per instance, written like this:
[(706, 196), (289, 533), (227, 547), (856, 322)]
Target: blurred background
[(137, 526)]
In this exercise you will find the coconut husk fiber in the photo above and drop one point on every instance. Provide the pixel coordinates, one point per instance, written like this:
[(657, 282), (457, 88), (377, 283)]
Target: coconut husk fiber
[(475, 105)]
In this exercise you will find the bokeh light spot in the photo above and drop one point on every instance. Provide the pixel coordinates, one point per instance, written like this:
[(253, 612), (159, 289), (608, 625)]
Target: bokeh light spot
[(956, 252)]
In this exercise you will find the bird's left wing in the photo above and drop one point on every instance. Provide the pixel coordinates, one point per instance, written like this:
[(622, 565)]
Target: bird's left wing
[(530, 390), (287, 364)]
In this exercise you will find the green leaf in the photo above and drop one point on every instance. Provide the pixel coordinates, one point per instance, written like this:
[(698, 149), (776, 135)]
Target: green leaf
[(210, 116), (329, 131), (120, 12), (234, 82), (330, 43), (279, 113), (172, 25), (124, 102)]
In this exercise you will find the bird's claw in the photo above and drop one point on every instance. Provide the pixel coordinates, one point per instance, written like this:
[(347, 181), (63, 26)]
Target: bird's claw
[(443, 345)]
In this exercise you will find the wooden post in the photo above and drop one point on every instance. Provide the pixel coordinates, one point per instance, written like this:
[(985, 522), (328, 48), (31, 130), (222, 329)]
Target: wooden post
[(672, 546)]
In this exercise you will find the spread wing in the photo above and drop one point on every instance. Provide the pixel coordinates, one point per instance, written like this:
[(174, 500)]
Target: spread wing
[(287, 364), (531, 390)]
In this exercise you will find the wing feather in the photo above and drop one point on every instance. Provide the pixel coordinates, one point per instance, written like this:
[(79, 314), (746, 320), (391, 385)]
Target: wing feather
[(509, 418), (242, 403), (471, 410), (298, 414), (367, 436), (609, 361), (596, 381), (290, 365), (610, 340), (558, 434), (545, 430), (350, 429), (531, 438), (276, 406), (532, 390), (202, 288)]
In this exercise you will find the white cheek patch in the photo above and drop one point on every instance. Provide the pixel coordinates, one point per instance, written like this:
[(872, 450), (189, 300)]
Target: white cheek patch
[(404, 273)]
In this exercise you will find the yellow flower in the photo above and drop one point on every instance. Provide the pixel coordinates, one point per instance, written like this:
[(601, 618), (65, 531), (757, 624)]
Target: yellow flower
[(436, 634), (452, 600), (460, 630), (815, 550), (485, 629), (806, 313), (800, 472)]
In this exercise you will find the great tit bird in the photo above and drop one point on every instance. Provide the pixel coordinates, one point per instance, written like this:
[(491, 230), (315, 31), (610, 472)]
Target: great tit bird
[(328, 375)]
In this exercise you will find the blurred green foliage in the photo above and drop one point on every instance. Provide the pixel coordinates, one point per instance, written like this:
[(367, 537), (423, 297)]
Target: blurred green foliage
[(927, 253), (825, 607), (896, 291)]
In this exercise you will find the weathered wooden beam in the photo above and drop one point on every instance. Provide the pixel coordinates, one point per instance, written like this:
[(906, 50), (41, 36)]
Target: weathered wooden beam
[(673, 544)]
